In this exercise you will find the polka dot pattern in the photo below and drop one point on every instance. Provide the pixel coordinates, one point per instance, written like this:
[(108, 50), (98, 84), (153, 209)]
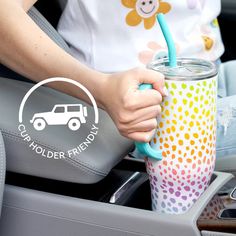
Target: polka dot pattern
[(213, 208), (186, 134)]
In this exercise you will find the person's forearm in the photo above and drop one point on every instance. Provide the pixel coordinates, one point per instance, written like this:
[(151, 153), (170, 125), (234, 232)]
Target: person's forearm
[(26, 49)]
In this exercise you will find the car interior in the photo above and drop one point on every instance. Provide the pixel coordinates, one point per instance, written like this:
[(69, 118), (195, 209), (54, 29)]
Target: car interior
[(103, 191)]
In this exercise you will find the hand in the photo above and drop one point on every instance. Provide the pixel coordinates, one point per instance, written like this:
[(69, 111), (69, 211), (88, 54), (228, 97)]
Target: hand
[(134, 111)]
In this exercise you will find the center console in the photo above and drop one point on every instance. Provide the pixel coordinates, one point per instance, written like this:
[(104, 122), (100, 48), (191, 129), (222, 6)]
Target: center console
[(220, 213), (120, 204)]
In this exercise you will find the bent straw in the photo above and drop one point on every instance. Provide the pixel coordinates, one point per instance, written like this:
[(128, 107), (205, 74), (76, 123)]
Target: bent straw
[(145, 148), (169, 40)]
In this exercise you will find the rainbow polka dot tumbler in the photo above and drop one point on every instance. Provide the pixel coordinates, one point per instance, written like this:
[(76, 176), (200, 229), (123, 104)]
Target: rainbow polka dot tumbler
[(186, 135)]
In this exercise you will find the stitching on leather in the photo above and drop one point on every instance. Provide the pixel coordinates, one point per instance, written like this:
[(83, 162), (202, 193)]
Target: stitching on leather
[(77, 160), (75, 164), (69, 160)]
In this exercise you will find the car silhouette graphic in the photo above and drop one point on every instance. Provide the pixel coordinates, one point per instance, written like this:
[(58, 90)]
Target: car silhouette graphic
[(62, 114)]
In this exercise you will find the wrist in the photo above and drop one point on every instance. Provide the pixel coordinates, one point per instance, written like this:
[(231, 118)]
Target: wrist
[(93, 80), (102, 89)]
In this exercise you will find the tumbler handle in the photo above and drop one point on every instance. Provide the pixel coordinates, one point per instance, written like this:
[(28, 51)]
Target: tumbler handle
[(145, 148)]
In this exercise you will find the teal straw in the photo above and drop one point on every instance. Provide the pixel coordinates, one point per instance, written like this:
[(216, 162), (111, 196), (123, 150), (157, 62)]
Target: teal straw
[(145, 148), (169, 40)]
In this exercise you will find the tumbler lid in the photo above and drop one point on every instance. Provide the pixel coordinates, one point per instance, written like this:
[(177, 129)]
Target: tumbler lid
[(186, 69)]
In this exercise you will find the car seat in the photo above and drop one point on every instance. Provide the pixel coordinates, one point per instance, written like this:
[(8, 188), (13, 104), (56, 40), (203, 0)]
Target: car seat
[(88, 167)]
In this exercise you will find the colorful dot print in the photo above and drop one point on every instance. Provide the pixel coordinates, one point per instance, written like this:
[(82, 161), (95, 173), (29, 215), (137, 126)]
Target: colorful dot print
[(186, 134), (213, 208)]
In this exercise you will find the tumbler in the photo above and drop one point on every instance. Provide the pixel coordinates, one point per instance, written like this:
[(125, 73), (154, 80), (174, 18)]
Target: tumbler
[(186, 135)]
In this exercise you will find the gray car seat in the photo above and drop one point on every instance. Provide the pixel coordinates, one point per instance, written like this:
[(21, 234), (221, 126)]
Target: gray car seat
[(88, 167)]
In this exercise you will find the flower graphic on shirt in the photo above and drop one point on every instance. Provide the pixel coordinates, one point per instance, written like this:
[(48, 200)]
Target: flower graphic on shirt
[(144, 10), (154, 52), (208, 42), (192, 4)]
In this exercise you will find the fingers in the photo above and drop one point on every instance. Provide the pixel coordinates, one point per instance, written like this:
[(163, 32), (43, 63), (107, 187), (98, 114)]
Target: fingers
[(139, 115), (135, 111), (143, 126), (147, 113), (147, 98), (155, 78), (141, 136), (139, 125), (141, 99)]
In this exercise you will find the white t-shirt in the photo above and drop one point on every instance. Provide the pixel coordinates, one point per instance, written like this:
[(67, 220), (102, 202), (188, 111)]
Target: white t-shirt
[(116, 35)]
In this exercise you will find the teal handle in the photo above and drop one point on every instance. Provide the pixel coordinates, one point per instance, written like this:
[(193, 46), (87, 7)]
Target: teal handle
[(145, 148)]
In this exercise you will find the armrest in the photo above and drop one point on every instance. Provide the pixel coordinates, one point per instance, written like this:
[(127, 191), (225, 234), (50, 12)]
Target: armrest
[(88, 166)]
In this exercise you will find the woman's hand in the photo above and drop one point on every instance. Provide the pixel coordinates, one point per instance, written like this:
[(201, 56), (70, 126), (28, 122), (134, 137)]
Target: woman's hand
[(26, 49), (134, 111)]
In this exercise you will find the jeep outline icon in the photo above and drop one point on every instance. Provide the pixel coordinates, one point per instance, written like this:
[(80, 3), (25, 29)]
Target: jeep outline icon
[(72, 115)]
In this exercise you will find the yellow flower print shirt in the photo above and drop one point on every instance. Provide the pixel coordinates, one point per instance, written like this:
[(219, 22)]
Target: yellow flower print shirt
[(115, 35), (145, 10)]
